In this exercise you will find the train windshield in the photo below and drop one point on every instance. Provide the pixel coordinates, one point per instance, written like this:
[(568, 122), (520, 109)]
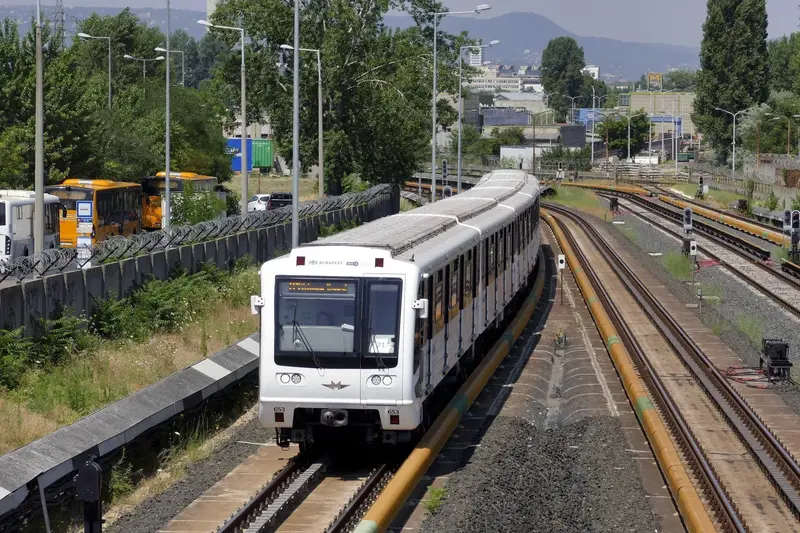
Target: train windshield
[(337, 323)]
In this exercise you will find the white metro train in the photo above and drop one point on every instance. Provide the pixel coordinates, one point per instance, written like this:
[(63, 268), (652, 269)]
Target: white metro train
[(359, 329)]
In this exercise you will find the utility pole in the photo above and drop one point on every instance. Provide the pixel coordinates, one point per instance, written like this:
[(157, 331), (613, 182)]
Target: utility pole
[(38, 207), (166, 210), (296, 132)]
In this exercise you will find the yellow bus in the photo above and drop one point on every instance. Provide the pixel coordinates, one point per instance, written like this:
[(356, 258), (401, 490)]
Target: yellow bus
[(108, 208), (154, 188)]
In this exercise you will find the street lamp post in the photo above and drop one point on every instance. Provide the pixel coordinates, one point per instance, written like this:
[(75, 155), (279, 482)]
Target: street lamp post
[(166, 211), (321, 153), (144, 61), (87, 36), (38, 219), (460, 105), (631, 117), (183, 62), (244, 118), (533, 120), (572, 99), (436, 15), (734, 115)]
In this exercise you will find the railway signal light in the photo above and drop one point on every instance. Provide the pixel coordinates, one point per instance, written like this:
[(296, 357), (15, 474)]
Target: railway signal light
[(692, 248), (444, 169), (795, 220), (448, 191), (687, 219), (701, 181), (787, 220)]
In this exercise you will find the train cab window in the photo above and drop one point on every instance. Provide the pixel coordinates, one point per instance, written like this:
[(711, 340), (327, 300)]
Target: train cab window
[(452, 307), (438, 305), (383, 321)]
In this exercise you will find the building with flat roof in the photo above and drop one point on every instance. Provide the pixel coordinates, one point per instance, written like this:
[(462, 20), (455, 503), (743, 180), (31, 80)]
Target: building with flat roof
[(665, 104), (592, 70), (531, 102)]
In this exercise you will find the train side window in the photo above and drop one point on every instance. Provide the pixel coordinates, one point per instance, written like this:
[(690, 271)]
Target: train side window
[(501, 253), (419, 330), (454, 291), (466, 298), (492, 259), (475, 273), (438, 297)]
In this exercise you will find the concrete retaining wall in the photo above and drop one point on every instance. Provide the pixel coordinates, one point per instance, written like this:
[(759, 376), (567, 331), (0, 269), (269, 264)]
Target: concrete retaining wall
[(25, 303)]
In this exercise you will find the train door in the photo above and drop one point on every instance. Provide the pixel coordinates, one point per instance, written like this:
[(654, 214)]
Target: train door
[(420, 364), (438, 333), (381, 367)]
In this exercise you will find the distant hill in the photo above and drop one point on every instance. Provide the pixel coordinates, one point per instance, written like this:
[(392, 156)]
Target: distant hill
[(180, 18), (517, 33)]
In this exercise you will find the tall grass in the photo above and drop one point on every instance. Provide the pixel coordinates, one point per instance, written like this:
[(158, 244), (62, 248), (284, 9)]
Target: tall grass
[(752, 327), (581, 199), (678, 265)]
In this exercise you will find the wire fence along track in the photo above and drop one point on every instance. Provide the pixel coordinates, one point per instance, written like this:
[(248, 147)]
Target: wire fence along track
[(780, 467), (118, 248)]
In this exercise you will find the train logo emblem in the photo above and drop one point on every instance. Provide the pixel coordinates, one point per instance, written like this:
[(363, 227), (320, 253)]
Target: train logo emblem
[(335, 386)]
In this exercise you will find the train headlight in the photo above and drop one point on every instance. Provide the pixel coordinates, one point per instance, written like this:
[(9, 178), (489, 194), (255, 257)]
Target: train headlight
[(285, 378), (296, 378), (387, 380), (376, 380)]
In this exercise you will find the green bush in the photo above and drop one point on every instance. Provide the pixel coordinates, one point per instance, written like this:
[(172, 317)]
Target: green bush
[(15, 351), (190, 207), (56, 341), (771, 202), (118, 319)]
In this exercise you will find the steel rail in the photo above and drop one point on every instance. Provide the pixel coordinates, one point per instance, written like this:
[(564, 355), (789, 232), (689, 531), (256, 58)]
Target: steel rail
[(778, 464), (738, 251), (722, 504)]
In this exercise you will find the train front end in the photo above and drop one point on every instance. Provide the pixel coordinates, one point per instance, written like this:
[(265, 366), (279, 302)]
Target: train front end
[(337, 330)]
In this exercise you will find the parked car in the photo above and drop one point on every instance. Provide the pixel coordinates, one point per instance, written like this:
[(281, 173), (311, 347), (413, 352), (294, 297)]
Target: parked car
[(268, 202)]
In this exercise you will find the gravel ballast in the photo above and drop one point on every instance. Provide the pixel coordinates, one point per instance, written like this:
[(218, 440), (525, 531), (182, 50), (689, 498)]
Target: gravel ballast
[(570, 479), (742, 313), (155, 512)]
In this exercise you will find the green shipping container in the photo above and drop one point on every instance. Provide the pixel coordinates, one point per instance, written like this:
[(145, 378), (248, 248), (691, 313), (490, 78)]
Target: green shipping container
[(263, 154), (683, 157)]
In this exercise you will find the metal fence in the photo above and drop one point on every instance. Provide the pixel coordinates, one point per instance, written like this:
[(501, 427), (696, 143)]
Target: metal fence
[(118, 248)]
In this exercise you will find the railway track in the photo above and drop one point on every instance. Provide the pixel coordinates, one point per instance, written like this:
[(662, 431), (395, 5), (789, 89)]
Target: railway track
[(736, 491), (321, 493), (770, 281)]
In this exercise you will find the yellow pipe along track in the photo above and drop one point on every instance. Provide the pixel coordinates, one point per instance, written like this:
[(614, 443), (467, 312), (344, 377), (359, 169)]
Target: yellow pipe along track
[(397, 491), (690, 506), (772, 236)]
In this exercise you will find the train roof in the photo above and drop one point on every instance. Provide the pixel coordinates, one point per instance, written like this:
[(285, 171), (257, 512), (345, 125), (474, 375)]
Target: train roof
[(15, 196), (404, 231)]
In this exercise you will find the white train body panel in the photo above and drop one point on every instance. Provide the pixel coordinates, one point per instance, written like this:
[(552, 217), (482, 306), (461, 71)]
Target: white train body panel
[(341, 326)]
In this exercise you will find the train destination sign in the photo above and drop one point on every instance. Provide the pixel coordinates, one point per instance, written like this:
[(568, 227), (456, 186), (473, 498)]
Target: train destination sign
[(321, 286)]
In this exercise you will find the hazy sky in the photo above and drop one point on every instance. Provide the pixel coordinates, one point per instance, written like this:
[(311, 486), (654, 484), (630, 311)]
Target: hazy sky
[(671, 21)]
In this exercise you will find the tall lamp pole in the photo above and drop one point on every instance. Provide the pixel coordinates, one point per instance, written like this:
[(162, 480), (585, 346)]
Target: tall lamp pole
[(572, 101), (38, 219), (460, 105), (166, 211), (631, 117), (183, 62), (87, 36), (436, 15), (321, 153), (144, 61), (734, 115), (244, 112)]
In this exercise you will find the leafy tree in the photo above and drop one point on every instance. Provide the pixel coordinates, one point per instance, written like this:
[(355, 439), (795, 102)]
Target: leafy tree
[(601, 93), (562, 65), (782, 63), (735, 67), (618, 133), (680, 80), (761, 128), (376, 82)]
